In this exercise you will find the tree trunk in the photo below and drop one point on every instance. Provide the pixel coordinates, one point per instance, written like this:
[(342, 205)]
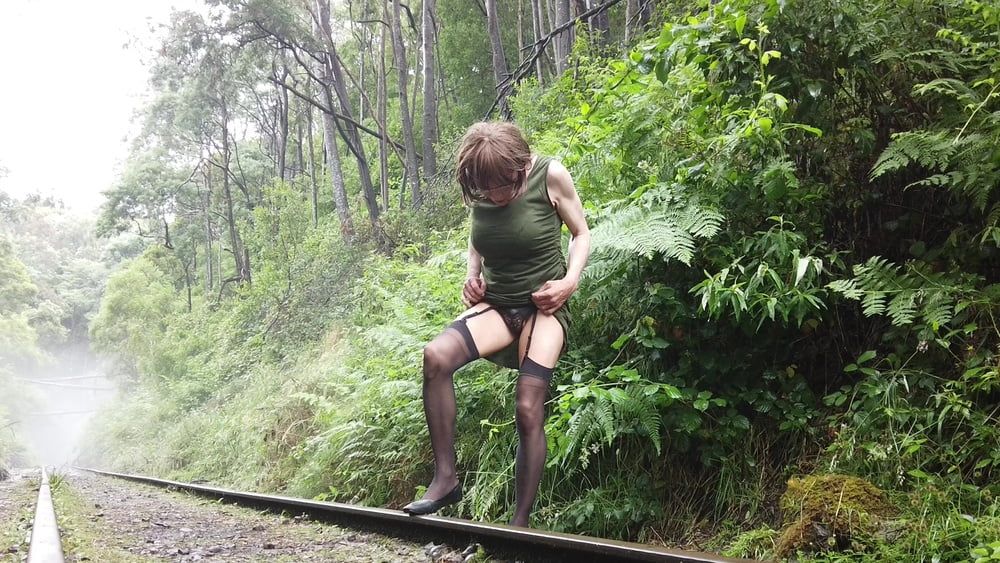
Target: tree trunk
[(601, 23), (188, 266), (281, 139), (240, 258), (630, 8), (364, 45), (332, 152), (563, 41), (637, 15), (206, 209), (300, 157), (537, 25), (335, 77), (399, 52), (430, 92), (383, 144), (312, 165), (381, 111), (500, 71), (520, 30)]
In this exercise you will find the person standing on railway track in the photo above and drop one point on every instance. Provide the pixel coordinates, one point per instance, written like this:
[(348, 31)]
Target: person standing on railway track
[(516, 290)]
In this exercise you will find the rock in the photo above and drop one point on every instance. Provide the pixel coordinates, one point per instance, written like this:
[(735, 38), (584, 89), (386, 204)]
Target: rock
[(438, 552), (830, 512), (268, 545)]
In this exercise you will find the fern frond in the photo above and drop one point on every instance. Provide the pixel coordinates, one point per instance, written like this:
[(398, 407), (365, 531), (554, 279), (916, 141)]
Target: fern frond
[(905, 294), (659, 223), (932, 150), (902, 309)]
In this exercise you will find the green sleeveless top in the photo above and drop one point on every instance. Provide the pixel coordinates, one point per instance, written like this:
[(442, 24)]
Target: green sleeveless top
[(521, 246)]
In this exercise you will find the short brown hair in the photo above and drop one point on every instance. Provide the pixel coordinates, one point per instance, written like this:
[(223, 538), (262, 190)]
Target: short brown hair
[(491, 151)]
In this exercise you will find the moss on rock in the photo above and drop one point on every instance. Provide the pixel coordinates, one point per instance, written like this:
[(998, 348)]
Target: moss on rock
[(830, 512)]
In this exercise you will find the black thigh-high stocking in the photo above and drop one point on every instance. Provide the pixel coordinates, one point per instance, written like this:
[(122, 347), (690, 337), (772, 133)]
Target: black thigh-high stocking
[(531, 394), (451, 350)]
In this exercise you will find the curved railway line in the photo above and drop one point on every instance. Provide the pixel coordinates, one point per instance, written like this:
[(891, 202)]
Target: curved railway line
[(521, 544)]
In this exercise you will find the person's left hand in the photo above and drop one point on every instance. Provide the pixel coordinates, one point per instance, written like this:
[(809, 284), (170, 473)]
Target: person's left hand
[(553, 294)]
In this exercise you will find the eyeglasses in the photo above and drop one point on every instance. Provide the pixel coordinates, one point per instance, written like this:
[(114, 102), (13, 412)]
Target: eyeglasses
[(511, 186)]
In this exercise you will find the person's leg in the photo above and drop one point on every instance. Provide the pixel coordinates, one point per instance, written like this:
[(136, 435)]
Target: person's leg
[(474, 334), (537, 360)]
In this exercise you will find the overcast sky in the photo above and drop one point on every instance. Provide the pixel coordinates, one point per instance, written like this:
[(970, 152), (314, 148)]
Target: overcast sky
[(71, 77)]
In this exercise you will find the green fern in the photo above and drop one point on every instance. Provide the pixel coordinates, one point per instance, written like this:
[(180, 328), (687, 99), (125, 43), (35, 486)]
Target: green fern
[(932, 150), (658, 222), (633, 407), (991, 233), (905, 294), (607, 416), (963, 160)]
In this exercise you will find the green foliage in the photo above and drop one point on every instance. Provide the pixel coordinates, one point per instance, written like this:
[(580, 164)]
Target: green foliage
[(753, 544), (655, 221), (618, 404), (795, 222)]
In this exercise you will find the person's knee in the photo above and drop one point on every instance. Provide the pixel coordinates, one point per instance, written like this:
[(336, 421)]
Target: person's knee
[(436, 361), (529, 414)]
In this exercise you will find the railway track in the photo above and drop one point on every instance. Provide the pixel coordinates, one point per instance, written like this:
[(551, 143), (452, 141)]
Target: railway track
[(522, 544), (45, 545)]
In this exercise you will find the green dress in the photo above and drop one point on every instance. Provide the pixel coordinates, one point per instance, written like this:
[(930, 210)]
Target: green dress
[(521, 246)]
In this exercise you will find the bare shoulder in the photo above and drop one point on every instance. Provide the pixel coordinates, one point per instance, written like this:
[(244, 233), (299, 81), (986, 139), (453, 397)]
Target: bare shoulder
[(559, 182), (558, 175)]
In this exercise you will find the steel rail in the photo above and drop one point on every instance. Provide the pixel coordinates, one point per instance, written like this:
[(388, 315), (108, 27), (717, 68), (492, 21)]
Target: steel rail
[(523, 543), (45, 545)]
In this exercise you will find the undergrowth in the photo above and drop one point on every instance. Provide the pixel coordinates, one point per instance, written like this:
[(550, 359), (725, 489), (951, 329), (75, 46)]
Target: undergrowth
[(794, 281)]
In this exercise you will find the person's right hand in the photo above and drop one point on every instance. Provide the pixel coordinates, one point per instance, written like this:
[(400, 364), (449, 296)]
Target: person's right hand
[(474, 291)]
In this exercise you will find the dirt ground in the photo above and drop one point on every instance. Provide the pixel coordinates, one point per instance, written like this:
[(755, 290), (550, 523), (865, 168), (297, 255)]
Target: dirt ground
[(109, 520), (17, 504)]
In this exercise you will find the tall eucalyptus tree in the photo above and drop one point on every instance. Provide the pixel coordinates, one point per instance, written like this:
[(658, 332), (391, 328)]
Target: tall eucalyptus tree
[(333, 66), (399, 56), (198, 75), (382, 114), (564, 41), (428, 44), (500, 71), (537, 25)]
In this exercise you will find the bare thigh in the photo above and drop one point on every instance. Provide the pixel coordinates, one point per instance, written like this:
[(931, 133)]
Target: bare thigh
[(546, 340), (488, 330)]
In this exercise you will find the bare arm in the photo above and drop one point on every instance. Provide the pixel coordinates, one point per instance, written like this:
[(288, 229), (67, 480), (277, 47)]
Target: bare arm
[(475, 262), (474, 288), (564, 198)]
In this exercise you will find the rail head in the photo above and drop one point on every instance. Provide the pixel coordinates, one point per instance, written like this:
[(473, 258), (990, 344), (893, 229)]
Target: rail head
[(46, 547), (524, 543)]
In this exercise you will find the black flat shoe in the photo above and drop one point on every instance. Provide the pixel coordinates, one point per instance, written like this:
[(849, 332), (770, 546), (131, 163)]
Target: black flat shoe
[(427, 506)]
